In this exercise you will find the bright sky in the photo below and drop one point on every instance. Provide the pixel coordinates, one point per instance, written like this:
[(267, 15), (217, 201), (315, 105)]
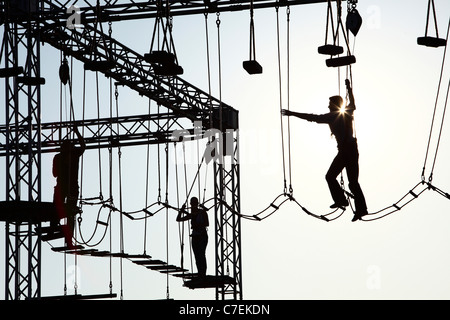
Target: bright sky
[(289, 255)]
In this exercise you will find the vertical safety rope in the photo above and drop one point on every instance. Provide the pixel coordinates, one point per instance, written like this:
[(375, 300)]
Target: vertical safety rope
[(110, 179), (82, 134), (147, 180), (285, 187), (434, 113), (159, 159), (440, 133), (99, 153), (281, 100), (167, 217), (220, 68), (209, 70), (119, 154), (65, 273), (288, 13), (187, 196)]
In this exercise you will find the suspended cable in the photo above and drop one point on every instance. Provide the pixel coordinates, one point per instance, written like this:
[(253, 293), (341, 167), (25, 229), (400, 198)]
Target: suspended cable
[(440, 133), (434, 111), (147, 179), (288, 12), (167, 218), (281, 100), (209, 70), (111, 104), (119, 154), (98, 116), (219, 68), (82, 134)]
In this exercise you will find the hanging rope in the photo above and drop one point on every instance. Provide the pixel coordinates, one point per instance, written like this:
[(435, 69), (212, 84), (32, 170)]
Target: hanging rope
[(434, 115), (147, 175), (281, 101), (167, 218), (288, 13)]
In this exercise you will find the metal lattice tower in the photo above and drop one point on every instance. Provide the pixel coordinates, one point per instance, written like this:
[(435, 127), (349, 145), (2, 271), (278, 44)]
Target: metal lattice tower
[(27, 24)]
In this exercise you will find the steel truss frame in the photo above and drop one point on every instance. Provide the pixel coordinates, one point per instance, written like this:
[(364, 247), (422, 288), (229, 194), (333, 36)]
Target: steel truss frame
[(26, 138), (23, 157)]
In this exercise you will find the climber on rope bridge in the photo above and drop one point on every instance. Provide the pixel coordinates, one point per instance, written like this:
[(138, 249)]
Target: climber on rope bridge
[(65, 170), (340, 120), (199, 224)]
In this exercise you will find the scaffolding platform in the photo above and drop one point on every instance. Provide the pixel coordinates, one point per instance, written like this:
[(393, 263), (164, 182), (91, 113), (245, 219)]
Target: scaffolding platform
[(27, 211), (80, 297), (208, 282)]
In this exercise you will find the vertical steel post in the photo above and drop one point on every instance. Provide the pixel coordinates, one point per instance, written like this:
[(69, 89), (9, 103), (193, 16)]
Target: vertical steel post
[(23, 159), (227, 221)]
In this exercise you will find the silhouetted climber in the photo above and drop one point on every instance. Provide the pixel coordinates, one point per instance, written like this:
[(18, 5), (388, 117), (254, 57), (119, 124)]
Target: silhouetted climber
[(65, 169), (340, 120), (199, 235)]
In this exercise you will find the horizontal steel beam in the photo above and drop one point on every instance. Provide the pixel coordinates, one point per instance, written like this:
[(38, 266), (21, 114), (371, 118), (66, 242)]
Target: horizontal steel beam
[(132, 10), (107, 132)]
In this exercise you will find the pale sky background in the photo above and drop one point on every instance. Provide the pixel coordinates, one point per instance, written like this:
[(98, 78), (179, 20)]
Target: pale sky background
[(289, 255)]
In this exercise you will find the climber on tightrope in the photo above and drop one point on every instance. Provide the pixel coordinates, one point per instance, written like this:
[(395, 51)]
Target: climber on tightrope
[(340, 120)]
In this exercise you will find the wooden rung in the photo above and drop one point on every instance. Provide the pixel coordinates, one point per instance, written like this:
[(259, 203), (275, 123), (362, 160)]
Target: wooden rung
[(62, 249), (52, 236), (84, 252), (431, 42), (160, 57), (138, 256), (163, 267), (119, 255), (176, 270), (148, 262), (340, 61), (102, 223), (252, 67), (168, 70), (101, 254), (330, 49), (186, 275), (130, 256)]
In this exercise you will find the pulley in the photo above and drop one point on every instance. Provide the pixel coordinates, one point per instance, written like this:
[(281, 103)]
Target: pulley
[(64, 72), (354, 20)]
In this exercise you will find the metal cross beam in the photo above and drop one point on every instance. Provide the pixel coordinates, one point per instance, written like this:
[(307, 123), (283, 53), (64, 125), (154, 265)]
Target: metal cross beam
[(114, 10), (129, 68), (108, 132)]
